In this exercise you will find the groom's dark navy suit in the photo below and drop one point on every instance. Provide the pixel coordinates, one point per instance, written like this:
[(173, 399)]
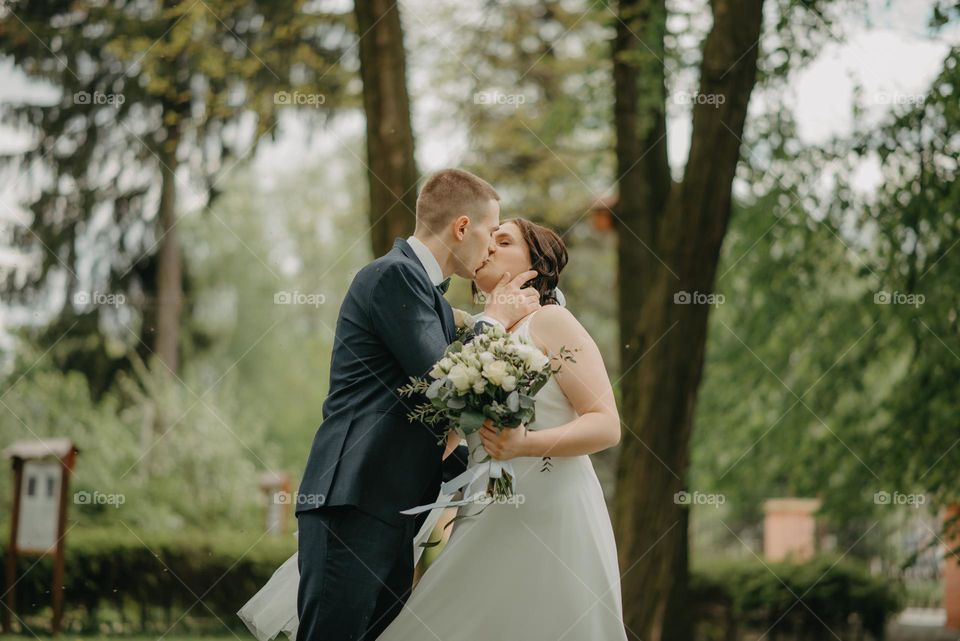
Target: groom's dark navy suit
[(368, 462)]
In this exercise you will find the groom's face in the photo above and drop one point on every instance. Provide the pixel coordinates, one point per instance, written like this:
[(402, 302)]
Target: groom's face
[(477, 244)]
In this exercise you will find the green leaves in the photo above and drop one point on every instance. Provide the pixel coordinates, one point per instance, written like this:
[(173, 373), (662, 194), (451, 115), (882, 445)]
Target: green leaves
[(148, 90), (434, 390), (513, 401), (471, 421)]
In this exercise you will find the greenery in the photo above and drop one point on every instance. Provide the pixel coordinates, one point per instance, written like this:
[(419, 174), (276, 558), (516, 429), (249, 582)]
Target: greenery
[(851, 392), (124, 580), (803, 600), (119, 579), (830, 355)]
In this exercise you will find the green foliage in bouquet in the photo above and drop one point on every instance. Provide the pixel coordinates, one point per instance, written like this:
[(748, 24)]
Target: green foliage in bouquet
[(493, 376)]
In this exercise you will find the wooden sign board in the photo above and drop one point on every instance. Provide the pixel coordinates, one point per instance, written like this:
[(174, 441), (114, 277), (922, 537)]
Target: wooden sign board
[(41, 477), (37, 527)]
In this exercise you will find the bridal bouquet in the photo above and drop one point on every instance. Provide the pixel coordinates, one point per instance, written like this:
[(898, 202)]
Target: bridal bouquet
[(493, 376)]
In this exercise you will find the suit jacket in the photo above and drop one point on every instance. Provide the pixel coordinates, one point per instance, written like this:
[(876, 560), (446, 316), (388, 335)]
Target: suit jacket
[(393, 324)]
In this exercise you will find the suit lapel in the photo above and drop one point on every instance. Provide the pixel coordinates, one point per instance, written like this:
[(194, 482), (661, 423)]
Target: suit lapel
[(439, 302), (449, 326)]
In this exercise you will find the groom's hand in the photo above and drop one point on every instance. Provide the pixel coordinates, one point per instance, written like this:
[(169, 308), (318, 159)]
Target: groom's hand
[(509, 301), (505, 444)]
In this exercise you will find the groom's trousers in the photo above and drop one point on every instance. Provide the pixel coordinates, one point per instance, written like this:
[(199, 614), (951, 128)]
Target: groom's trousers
[(355, 573)]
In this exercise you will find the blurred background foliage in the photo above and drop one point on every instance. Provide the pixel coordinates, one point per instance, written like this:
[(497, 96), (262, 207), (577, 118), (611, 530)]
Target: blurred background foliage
[(814, 384)]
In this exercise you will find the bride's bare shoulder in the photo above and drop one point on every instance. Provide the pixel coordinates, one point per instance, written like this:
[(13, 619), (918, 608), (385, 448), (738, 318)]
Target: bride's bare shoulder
[(552, 323), (553, 315)]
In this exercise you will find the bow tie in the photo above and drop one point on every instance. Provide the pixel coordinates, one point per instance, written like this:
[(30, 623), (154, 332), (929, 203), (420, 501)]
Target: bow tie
[(444, 286)]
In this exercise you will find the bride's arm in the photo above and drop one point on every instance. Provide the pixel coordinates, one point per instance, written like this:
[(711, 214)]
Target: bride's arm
[(585, 384), (453, 440)]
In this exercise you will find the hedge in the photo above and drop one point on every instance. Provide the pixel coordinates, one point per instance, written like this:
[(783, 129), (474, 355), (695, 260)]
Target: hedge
[(121, 581), (792, 600)]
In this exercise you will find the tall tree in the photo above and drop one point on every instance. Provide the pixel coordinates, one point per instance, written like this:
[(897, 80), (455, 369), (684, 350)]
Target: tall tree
[(153, 96), (916, 232), (670, 237), (391, 168)]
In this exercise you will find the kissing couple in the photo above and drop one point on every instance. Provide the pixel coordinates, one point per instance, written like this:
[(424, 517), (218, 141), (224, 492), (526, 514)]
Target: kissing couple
[(538, 569)]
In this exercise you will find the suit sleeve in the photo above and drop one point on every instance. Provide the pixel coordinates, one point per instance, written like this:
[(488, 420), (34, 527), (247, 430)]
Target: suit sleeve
[(404, 317), (455, 464)]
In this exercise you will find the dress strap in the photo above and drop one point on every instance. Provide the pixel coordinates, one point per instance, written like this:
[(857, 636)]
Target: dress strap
[(525, 323)]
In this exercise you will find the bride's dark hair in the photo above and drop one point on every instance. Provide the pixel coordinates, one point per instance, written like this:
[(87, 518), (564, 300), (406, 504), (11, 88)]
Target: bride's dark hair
[(548, 255)]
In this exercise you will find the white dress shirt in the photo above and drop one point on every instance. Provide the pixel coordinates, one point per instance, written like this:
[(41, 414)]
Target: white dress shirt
[(427, 259)]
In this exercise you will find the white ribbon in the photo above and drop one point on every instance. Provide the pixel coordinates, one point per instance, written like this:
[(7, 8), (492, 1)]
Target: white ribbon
[(491, 469)]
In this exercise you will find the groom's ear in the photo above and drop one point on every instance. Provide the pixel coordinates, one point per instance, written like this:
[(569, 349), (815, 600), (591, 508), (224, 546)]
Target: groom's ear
[(460, 226)]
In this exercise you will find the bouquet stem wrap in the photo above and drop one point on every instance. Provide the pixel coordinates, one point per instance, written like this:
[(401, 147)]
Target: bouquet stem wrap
[(468, 481)]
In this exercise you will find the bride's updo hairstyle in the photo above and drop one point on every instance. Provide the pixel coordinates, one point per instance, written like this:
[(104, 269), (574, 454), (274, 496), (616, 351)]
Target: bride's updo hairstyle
[(548, 255)]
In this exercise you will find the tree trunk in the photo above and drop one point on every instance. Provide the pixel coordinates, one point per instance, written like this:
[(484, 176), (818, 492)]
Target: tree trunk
[(391, 168), (169, 302), (670, 237), (678, 610)]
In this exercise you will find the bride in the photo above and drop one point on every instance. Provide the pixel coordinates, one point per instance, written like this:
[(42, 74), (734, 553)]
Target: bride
[(543, 565)]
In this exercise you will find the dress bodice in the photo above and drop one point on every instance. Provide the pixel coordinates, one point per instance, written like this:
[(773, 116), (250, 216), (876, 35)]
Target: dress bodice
[(552, 406)]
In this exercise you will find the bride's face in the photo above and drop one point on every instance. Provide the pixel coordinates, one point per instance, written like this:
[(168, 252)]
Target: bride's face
[(509, 254)]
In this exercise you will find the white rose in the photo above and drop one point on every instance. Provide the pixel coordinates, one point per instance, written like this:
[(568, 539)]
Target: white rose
[(540, 360), (462, 318), (479, 386), (509, 383), (460, 377), (533, 357), (495, 371), (486, 357)]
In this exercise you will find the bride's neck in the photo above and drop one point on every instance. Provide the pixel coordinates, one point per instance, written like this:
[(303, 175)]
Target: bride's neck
[(521, 321)]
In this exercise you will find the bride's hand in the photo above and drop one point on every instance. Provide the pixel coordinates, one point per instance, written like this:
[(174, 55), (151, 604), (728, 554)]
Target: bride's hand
[(505, 444), (510, 300)]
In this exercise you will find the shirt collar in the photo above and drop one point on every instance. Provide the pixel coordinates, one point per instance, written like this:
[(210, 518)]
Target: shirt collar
[(427, 259)]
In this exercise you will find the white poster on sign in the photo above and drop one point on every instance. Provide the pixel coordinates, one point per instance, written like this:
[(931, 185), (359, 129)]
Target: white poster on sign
[(39, 505)]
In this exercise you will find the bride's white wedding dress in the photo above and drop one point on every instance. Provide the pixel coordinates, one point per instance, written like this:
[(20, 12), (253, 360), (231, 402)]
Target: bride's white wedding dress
[(541, 567), (544, 568)]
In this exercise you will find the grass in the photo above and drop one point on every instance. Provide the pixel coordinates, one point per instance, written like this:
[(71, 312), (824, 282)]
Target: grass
[(242, 635)]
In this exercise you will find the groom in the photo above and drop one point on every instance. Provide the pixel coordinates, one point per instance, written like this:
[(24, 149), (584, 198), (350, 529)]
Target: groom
[(368, 462)]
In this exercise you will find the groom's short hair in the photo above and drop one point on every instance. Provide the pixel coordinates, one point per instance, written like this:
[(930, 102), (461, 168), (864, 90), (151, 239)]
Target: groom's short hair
[(450, 193)]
